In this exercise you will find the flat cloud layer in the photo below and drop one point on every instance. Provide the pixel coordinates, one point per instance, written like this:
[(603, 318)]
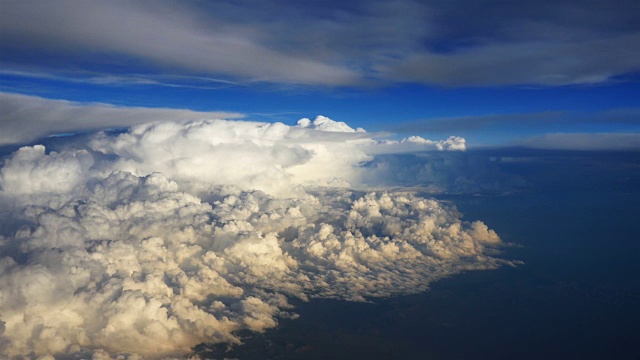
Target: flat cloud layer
[(150, 242), (27, 118), (449, 43), (586, 141)]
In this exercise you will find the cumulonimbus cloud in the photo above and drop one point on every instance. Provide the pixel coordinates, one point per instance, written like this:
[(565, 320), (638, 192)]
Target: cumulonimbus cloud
[(150, 242), (272, 157)]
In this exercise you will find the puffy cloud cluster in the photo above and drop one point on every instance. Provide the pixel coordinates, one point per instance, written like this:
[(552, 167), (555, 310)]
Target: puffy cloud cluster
[(153, 241), (323, 123), (271, 157), (31, 171), (414, 144)]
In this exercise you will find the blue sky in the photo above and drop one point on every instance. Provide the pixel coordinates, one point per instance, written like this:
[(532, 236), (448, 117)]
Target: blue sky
[(494, 72)]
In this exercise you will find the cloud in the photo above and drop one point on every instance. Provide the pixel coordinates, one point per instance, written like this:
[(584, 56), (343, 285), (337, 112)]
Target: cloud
[(164, 34), (585, 141), (496, 43), (414, 144), (540, 122), (455, 43), (193, 146), (323, 123), (31, 171), (150, 242), (466, 123), (96, 78), (26, 118), (221, 152), (527, 62)]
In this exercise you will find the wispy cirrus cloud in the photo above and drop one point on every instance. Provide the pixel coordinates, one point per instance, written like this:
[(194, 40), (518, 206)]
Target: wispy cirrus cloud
[(94, 78)]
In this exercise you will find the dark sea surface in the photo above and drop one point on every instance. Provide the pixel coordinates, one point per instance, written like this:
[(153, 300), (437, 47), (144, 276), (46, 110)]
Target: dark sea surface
[(574, 222)]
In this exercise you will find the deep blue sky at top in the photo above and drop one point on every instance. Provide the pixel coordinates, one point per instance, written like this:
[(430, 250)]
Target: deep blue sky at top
[(495, 72)]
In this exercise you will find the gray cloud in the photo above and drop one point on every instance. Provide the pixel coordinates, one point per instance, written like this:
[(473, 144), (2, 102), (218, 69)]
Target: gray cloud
[(540, 120), (456, 43), (167, 34), (477, 43), (472, 123), (585, 141), (26, 118), (525, 62)]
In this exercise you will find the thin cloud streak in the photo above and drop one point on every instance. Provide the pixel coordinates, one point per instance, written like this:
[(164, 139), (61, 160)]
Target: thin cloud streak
[(174, 81), (26, 118), (622, 116), (584, 141), (472, 123)]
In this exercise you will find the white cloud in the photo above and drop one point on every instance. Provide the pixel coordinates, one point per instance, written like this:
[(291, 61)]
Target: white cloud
[(414, 144), (30, 171), (323, 123), (169, 241), (271, 157)]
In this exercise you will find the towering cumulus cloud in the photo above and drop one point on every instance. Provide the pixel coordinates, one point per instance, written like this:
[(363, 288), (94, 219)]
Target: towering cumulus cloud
[(149, 242)]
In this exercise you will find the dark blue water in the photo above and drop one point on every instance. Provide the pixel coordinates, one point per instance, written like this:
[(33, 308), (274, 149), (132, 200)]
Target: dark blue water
[(576, 223)]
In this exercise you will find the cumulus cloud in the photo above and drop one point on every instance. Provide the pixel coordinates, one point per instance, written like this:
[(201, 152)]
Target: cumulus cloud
[(150, 242), (30, 170), (221, 152), (414, 144), (272, 157), (323, 123)]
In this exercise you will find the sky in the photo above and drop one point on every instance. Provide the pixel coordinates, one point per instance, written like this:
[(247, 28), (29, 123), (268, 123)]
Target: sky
[(182, 173), (533, 73)]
